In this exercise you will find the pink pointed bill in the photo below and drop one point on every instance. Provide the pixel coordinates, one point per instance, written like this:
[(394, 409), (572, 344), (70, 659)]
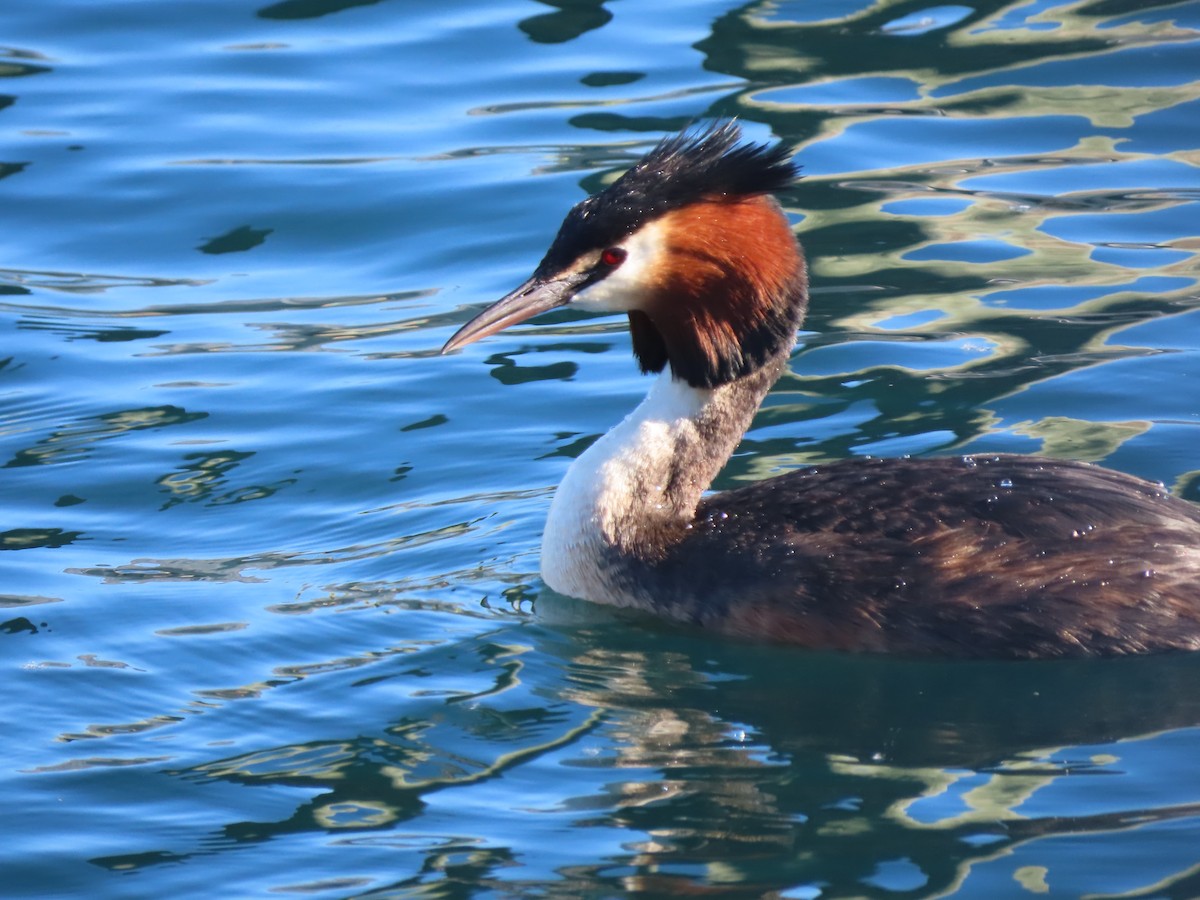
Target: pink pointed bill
[(533, 297)]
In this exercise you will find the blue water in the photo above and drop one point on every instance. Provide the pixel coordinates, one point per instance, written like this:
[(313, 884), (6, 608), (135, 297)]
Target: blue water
[(272, 623)]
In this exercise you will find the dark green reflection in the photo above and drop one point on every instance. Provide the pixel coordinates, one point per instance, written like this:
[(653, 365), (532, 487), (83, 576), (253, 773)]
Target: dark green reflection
[(29, 538), (572, 19), (310, 9), (236, 241), (77, 439), (205, 478)]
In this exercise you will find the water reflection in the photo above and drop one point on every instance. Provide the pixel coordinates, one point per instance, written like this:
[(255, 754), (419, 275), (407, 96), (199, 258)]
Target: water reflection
[(842, 765), (30, 538), (205, 477), (571, 20), (310, 9), (236, 240), (78, 439), (701, 765)]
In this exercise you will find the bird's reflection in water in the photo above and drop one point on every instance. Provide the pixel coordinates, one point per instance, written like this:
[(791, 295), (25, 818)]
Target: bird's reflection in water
[(761, 767)]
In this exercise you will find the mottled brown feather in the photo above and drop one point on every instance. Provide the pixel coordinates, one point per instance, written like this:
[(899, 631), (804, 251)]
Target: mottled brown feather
[(976, 557)]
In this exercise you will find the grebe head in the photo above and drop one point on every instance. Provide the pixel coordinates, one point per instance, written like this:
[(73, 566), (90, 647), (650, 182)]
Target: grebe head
[(690, 244)]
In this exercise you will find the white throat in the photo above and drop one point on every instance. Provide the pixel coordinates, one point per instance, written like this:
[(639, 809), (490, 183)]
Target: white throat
[(624, 485)]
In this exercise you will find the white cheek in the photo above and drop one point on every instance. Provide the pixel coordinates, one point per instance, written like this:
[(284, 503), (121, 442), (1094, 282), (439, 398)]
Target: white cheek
[(629, 286)]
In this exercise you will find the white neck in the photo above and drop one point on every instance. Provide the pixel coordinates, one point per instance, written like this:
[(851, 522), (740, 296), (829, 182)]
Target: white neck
[(635, 490)]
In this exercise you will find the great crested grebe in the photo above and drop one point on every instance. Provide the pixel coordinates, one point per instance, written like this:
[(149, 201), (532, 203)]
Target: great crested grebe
[(983, 556)]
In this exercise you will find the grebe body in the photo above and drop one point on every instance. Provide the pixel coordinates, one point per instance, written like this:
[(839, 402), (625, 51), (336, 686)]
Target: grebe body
[(983, 556)]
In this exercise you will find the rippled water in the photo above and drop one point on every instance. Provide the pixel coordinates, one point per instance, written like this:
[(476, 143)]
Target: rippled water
[(272, 623)]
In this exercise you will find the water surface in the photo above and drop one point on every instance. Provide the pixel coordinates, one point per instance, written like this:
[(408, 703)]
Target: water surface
[(272, 623)]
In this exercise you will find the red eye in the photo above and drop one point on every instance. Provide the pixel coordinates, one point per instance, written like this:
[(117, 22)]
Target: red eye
[(613, 257)]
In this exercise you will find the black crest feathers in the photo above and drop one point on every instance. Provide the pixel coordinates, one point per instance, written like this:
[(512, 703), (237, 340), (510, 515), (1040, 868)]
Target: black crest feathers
[(692, 166), (680, 170)]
